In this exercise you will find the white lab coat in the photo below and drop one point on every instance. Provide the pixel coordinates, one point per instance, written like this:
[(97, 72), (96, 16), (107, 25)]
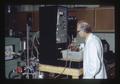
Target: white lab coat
[(93, 65)]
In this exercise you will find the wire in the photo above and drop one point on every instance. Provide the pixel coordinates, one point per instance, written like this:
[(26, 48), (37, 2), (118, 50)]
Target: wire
[(38, 44), (10, 73), (66, 59), (37, 36), (32, 48), (69, 66), (33, 41)]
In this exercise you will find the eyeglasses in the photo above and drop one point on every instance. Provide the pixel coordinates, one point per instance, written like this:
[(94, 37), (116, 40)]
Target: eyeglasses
[(78, 31)]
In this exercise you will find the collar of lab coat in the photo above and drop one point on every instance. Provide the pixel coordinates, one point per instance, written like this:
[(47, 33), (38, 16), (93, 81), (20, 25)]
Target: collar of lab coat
[(87, 39)]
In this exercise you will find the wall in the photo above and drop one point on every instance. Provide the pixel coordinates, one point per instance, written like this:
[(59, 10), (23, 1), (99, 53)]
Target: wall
[(109, 37)]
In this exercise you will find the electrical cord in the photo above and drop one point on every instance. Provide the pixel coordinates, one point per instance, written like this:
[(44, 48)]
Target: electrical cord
[(38, 44), (66, 59), (10, 73), (63, 69), (69, 66), (37, 36), (14, 76), (33, 41), (34, 44)]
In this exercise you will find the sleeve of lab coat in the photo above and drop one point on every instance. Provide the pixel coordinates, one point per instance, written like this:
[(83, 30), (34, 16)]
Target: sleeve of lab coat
[(94, 65)]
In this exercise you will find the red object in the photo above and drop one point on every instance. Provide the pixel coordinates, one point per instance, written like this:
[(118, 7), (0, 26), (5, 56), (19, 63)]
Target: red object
[(19, 70)]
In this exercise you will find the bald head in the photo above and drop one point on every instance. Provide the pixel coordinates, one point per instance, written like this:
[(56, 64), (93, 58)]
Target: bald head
[(84, 26), (83, 29)]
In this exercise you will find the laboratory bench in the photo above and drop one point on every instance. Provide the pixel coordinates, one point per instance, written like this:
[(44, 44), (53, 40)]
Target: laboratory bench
[(75, 73), (74, 68)]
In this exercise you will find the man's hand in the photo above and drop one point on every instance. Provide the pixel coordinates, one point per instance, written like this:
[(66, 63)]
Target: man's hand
[(72, 47)]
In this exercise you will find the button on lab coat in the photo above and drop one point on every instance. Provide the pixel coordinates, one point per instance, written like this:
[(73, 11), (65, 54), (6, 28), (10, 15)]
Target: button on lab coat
[(93, 65)]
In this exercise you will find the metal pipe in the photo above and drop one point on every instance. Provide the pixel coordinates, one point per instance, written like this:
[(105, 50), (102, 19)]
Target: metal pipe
[(27, 50)]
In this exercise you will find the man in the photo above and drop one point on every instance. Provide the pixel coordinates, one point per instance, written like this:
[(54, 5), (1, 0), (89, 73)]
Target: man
[(93, 65)]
